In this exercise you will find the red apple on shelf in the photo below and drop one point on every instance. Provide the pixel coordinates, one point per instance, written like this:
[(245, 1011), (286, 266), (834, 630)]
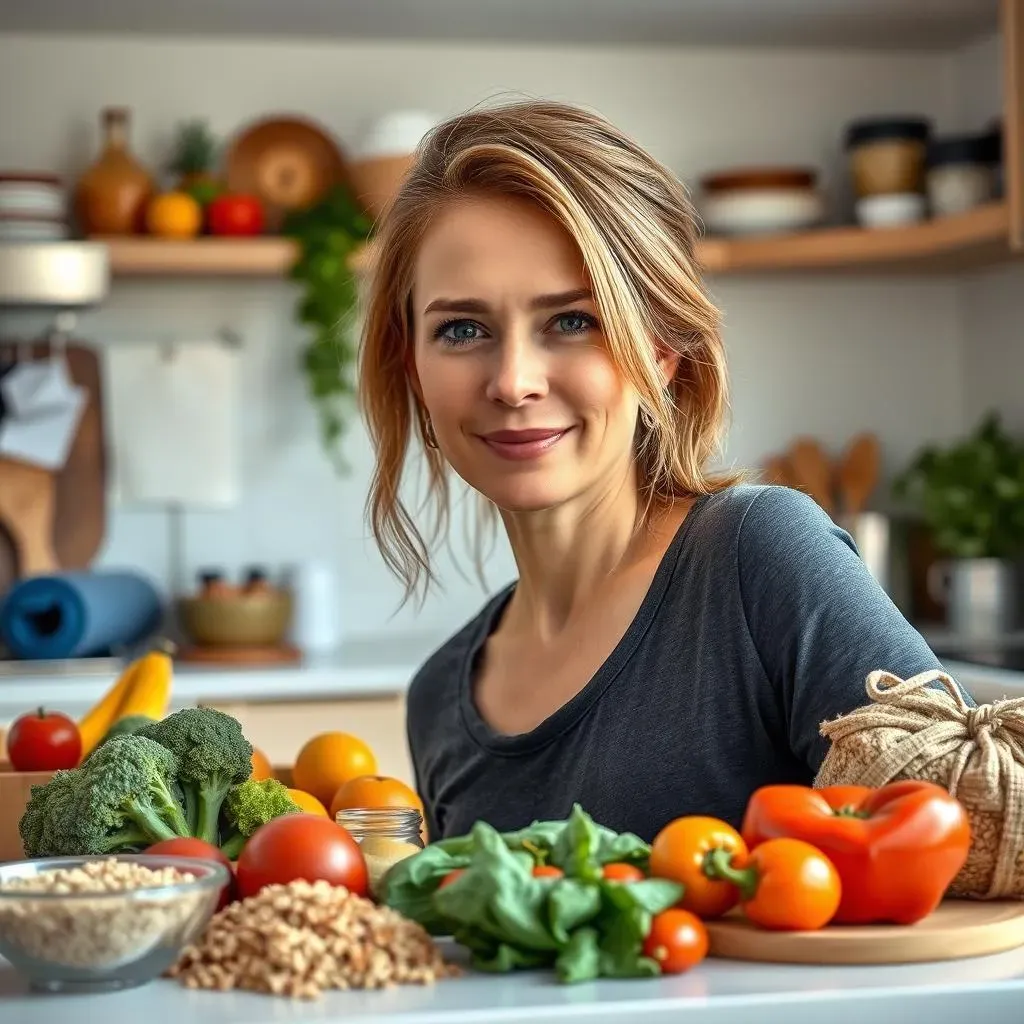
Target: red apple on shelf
[(235, 215)]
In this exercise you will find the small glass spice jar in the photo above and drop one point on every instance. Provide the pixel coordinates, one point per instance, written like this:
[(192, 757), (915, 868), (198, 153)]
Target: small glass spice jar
[(960, 174), (386, 835)]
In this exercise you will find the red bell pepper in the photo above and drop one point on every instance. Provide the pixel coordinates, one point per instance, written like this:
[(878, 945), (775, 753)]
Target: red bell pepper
[(897, 848)]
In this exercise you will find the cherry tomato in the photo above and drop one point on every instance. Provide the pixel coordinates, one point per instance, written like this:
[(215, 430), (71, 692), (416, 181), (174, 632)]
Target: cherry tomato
[(618, 872), (200, 850), (548, 871), (43, 741), (235, 215), (785, 885), (680, 852), (301, 846), (451, 876), (678, 940)]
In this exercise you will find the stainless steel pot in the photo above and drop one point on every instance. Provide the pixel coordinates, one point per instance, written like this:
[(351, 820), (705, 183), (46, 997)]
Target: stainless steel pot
[(982, 595)]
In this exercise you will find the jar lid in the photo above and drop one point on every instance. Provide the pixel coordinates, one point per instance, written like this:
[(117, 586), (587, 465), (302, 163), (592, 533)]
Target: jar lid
[(958, 149), (876, 129)]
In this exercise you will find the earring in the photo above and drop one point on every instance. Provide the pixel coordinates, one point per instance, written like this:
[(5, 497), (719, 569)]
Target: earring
[(428, 433)]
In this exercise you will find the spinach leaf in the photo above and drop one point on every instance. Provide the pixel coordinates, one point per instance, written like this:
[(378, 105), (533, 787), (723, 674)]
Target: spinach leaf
[(571, 903), (581, 958)]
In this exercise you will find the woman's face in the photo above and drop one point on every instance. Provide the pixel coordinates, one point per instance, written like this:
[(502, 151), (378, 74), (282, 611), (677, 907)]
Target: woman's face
[(511, 362)]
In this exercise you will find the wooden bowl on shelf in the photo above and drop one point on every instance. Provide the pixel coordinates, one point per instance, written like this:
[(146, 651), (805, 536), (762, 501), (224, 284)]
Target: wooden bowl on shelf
[(246, 620)]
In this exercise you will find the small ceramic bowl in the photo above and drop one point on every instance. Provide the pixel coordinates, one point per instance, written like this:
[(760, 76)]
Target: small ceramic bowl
[(892, 210), (102, 941)]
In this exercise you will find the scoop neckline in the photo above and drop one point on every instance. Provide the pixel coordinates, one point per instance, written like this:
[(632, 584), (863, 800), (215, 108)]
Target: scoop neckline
[(565, 717)]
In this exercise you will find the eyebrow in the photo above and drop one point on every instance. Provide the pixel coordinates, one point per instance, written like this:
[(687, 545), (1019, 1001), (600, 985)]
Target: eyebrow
[(479, 306)]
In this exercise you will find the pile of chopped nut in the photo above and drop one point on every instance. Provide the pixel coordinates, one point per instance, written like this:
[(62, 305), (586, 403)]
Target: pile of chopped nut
[(88, 929), (303, 938)]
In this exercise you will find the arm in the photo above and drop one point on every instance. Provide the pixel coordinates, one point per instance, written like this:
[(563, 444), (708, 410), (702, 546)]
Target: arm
[(819, 620)]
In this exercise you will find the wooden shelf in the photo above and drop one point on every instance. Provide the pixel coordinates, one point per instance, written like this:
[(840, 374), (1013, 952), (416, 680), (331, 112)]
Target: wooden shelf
[(232, 257), (962, 242), (977, 238)]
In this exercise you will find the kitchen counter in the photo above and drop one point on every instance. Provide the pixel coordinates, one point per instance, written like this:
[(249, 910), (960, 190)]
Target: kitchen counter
[(989, 989), (370, 666)]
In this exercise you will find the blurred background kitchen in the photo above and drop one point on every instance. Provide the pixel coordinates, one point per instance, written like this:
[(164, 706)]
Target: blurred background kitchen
[(187, 194)]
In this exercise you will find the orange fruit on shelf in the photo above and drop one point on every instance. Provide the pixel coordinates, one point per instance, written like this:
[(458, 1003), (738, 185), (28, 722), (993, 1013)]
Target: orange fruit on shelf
[(308, 802), (327, 761), (261, 767), (375, 791), (174, 215)]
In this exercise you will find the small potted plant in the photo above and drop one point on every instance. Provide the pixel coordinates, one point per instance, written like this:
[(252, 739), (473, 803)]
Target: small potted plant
[(970, 495)]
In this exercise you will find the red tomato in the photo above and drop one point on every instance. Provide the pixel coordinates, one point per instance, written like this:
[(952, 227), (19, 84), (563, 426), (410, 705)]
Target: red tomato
[(43, 742), (619, 872), (200, 850), (548, 871), (301, 846), (235, 215), (451, 876), (678, 940)]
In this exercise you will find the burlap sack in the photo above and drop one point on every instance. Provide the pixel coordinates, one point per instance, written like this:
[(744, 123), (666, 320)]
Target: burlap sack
[(914, 731)]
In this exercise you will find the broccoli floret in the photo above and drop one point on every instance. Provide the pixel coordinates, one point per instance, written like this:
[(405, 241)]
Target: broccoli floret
[(127, 786), (213, 756), (250, 805), (64, 817)]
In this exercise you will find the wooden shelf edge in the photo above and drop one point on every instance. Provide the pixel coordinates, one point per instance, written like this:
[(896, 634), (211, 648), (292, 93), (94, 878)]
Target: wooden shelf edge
[(976, 238), (956, 242), (235, 257)]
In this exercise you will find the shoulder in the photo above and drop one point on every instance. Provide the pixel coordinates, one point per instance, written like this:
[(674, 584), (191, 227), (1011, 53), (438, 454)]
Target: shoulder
[(766, 521)]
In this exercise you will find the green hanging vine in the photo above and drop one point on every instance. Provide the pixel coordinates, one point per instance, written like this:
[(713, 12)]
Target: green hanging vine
[(328, 235)]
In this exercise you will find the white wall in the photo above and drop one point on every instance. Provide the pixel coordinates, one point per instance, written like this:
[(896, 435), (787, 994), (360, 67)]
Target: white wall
[(824, 356)]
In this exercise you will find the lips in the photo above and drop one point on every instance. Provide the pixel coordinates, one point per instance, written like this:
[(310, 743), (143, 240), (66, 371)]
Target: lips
[(519, 445)]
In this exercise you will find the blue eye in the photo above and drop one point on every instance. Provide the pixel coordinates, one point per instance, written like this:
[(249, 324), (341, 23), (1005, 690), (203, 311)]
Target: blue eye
[(575, 323), (458, 332)]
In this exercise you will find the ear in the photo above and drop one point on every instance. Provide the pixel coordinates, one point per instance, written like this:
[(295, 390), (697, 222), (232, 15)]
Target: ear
[(668, 363)]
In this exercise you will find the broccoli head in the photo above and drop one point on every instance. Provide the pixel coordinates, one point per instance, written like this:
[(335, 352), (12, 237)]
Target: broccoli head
[(46, 827), (128, 786), (118, 800), (213, 756), (250, 805)]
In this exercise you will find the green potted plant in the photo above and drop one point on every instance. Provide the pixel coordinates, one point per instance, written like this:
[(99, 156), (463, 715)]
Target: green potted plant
[(329, 234), (970, 495)]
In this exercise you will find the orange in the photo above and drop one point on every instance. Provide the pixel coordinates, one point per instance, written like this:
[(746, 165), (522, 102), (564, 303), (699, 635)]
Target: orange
[(328, 761), (174, 215), (261, 768), (375, 791), (308, 802)]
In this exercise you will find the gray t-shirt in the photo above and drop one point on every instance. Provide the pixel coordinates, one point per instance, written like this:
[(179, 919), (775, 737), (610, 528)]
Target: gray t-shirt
[(761, 622)]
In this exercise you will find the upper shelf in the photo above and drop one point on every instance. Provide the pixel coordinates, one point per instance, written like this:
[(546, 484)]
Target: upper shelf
[(974, 239)]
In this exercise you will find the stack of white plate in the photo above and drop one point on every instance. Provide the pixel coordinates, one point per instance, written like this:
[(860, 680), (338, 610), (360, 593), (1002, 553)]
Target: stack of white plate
[(33, 207)]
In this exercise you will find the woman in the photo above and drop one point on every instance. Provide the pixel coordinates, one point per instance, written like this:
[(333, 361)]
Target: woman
[(675, 636)]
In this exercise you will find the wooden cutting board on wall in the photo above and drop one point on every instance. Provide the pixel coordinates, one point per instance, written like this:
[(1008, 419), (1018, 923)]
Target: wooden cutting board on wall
[(81, 507)]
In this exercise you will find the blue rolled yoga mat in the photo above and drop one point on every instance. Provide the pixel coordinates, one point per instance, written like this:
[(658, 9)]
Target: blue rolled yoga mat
[(78, 614)]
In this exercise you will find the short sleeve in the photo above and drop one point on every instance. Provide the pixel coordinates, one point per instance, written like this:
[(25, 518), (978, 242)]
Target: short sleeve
[(821, 623)]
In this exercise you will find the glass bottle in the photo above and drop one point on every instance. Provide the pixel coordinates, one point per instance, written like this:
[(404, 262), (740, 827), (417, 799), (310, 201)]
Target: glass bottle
[(112, 194)]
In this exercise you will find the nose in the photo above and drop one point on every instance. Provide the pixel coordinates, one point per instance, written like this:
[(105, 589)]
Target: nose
[(520, 371)]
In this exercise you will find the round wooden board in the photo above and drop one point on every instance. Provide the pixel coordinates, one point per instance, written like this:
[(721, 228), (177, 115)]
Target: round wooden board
[(957, 929)]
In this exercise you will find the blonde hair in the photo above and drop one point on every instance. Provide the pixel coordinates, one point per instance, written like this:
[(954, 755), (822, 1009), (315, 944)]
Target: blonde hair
[(636, 231)]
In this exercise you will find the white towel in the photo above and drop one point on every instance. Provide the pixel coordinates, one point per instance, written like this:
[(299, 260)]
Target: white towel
[(173, 417)]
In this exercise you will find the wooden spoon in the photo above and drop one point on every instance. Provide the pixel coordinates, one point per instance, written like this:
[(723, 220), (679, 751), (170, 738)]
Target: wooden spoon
[(812, 471), (857, 476), (27, 509)]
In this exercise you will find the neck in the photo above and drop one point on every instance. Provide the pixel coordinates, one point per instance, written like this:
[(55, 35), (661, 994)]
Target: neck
[(566, 556)]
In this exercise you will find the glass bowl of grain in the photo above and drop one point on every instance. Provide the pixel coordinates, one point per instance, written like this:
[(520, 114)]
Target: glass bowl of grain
[(85, 924)]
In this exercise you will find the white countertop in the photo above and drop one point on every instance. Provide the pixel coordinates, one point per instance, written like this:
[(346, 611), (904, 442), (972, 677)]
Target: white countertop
[(363, 666), (988, 989)]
